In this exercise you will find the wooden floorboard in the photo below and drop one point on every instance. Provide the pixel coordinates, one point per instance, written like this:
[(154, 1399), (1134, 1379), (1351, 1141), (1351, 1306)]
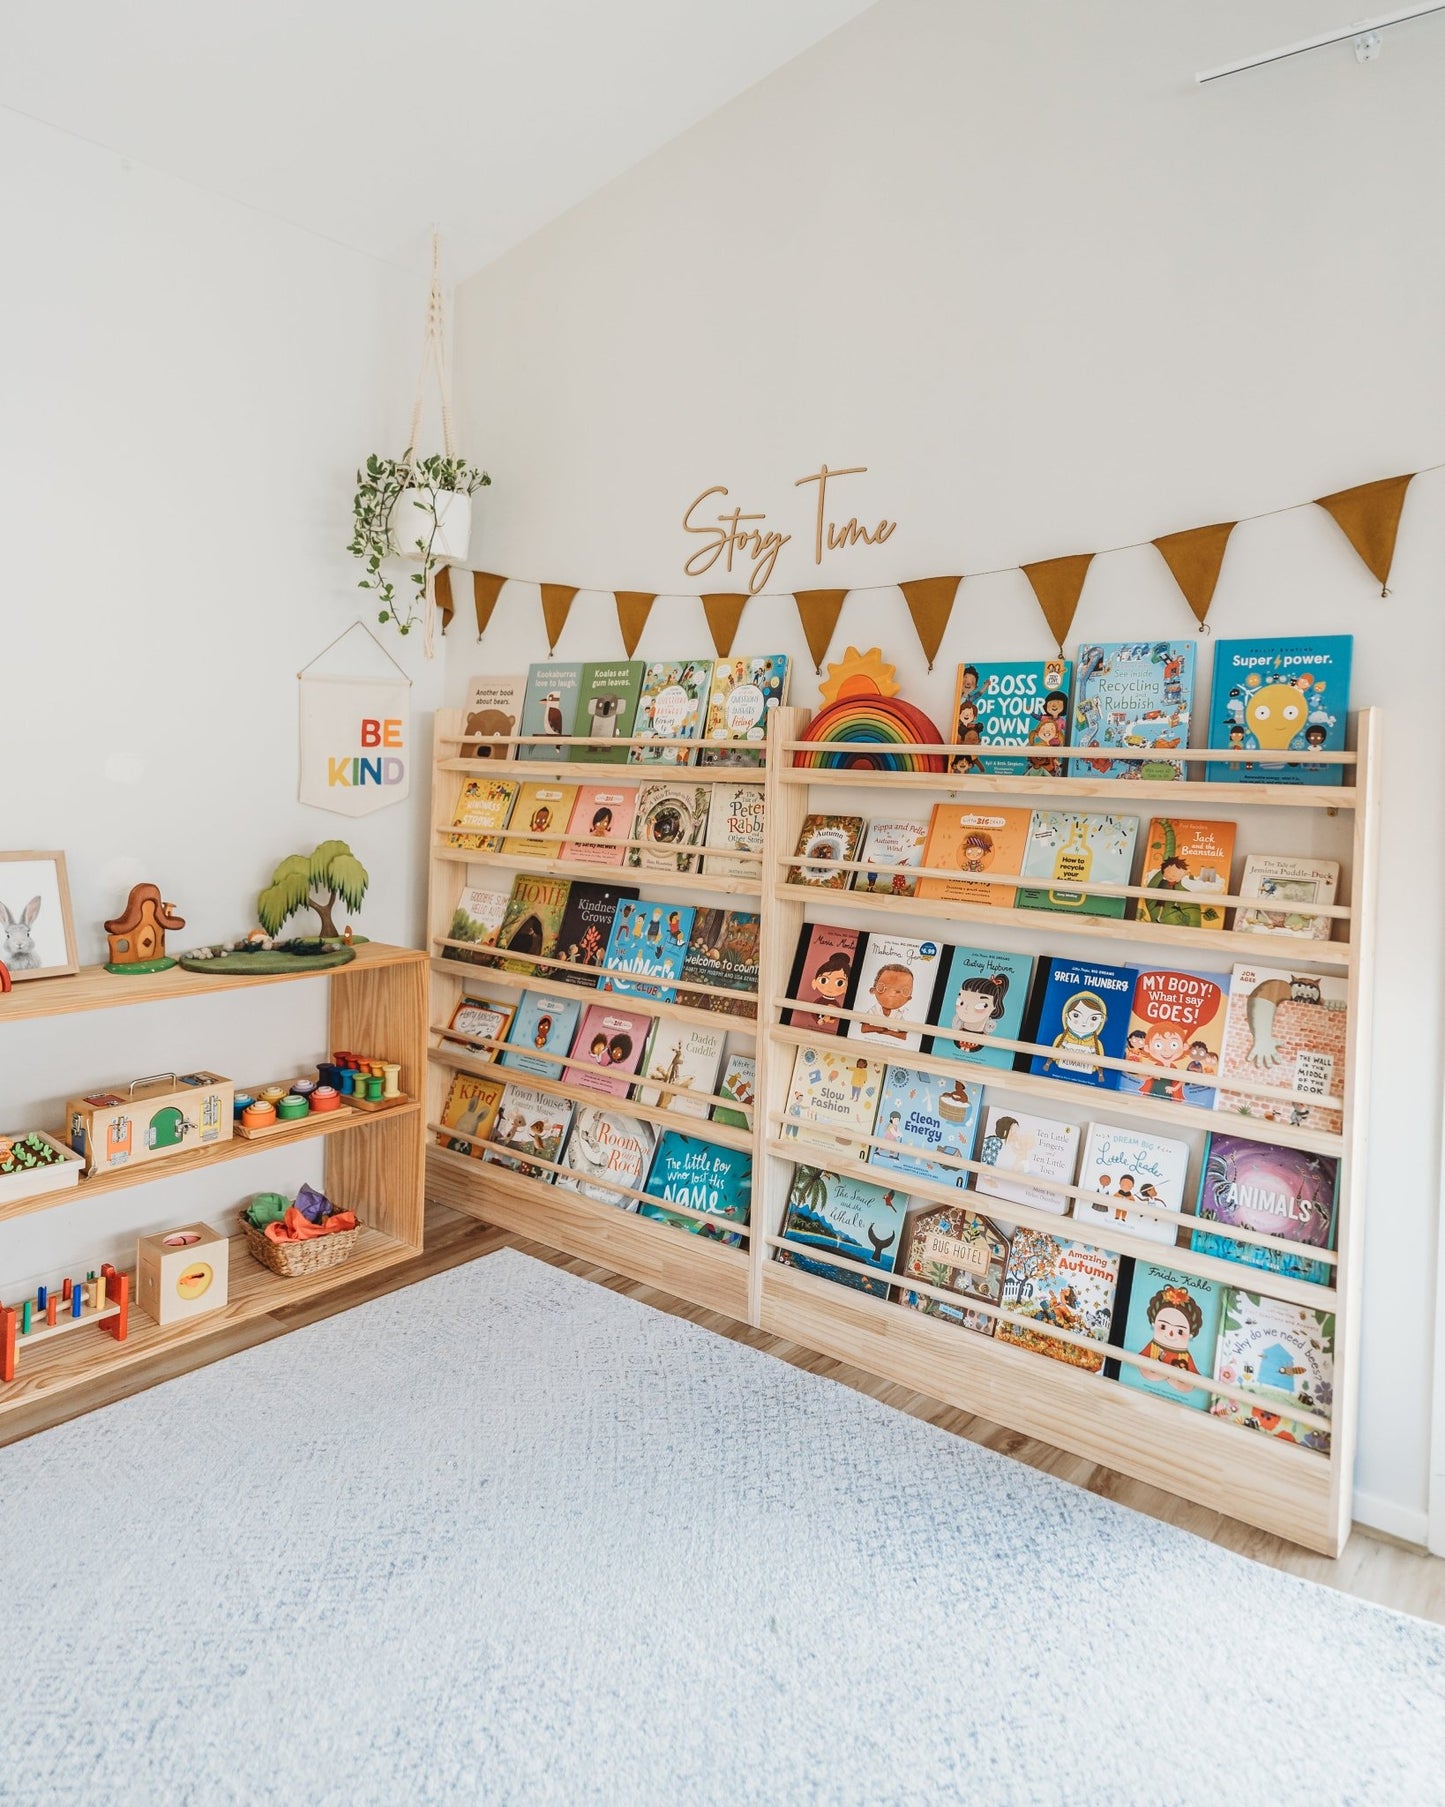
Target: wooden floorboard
[(1371, 1566)]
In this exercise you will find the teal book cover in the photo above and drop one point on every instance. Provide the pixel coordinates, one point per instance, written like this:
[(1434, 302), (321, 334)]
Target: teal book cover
[(923, 1115), (607, 696), (688, 1171), (646, 949), (1280, 696), (1012, 703), (1172, 1318), (983, 994), (834, 1214), (1136, 694), (542, 1030), (1064, 844), (549, 706)]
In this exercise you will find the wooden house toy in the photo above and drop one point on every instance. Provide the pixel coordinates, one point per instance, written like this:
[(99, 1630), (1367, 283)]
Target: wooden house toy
[(137, 936), (149, 1119), (182, 1273)]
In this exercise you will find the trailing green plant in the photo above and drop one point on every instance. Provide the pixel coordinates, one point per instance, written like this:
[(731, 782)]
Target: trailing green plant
[(377, 534)]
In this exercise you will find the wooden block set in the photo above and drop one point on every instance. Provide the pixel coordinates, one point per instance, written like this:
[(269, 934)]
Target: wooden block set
[(102, 1299)]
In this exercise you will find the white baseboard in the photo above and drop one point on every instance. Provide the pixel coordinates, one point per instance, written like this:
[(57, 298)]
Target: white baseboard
[(1395, 1521)]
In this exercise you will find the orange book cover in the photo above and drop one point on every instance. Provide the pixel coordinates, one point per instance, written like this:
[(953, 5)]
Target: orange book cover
[(1187, 865), (974, 839)]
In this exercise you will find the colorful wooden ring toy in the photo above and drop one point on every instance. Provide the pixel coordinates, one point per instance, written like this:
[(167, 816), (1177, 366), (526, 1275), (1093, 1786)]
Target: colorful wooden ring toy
[(290, 1108), (325, 1098), (258, 1113)]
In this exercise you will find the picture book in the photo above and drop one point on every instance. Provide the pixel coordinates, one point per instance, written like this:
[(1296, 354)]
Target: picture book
[(688, 1171), (1136, 694), (822, 842), (1016, 1147), (922, 1115), (1176, 1023), (549, 706), (833, 1097), (478, 916), (586, 924), (470, 1110), (974, 840), (1280, 696), (983, 994), (1282, 1354), (1282, 1192), (1285, 1030), (1063, 844), (1186, 864), (897, 979), (738, 1082), (646, 948), (734, 825), (483, 806), (542, 1032), (480, 1020), (1171, 1318), (722, 951), (493, 707), (671, 817), (1084, 1012), (1061, 1286), (603, 813), (1133, 1169), (544, 810), (891, 841), (534, 916), (743, 693), (607, 1149), (682, 1058), (607, 1049), (670, 707), (529, 1123), (961, 1252), (822, 975), (1283, 882), (607, 698), (834, 1214), (1017, 703)]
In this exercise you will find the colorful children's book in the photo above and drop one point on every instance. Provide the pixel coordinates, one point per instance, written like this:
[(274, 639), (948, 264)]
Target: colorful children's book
[(683, 1058), (983, 994), (898, 979), (542, 1032), (833, 1097), (481, 1020), (470, 1110), (646, 949), (544, 810), (963, 1253), (529, 1123), (1063, 844), (1132, 1169), (604, 813), (1285, 1030), (607, 1050), (822, 975), (688, 1171), (586, 924), (1285, 883), (479, 915), (1185, 864), (892, 841), (822, 842), (1283, 1354), (483, 806), (1136, 694), (1016, 1146), (922, 1115), (734, 825), (607, 1149), (550, 707), (1282, 1192), (743, 694), (1017, 703), (671, 817), (1084, 1013), (1176, 1021), (606, 708), (1280, 696), (493, 708), (1172, 1318), (722, 951), (834, 1214), (738, 1082), (533, 920), (1062, 1286), (974, 840), (670, 707)]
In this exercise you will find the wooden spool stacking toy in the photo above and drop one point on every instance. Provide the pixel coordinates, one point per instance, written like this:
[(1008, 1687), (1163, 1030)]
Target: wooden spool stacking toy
[(863, 733)]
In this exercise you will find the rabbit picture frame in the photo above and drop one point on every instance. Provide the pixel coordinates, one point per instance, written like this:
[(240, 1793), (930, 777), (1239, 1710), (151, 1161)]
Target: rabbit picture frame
[(37, 932)]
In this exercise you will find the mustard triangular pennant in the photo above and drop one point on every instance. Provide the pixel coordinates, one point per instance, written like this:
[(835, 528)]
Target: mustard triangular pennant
[(443, 593), (1369, 517), (556, 606), (1195, 557), (930, 602), (486, 587), (724, 611), (1057, 583), (818, 610), (633, 608)]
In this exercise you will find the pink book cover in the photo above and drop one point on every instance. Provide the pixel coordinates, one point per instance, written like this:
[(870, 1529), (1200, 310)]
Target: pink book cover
[(608, 1050), (601, 810)]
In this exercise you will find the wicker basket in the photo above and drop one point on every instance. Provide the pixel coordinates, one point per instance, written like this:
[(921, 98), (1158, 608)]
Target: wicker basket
[(290, 1259)]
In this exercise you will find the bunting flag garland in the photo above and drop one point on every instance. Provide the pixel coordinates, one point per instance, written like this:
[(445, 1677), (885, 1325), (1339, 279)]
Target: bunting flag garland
[(1194, 558), (486, 588), (1369, 517), (442, 591), (633, 608), (818, 610), (930, 602), (1057, 582), (724, 611), (556, 607)]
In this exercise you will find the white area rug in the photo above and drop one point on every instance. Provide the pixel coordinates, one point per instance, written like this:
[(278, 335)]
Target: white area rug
[(505, 1536)]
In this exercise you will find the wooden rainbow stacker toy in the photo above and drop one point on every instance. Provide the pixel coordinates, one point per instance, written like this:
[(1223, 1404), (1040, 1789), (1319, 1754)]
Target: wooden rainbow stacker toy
[(102, 1299)]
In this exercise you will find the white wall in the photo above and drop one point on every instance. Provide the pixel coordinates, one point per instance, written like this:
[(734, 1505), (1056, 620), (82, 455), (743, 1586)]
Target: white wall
[(187, 386), (1056, 299)]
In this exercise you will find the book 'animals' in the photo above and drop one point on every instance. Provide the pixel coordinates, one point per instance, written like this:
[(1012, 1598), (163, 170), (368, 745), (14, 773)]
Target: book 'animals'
[(923, 1115), (607, 1149), (973, 841), (822, 977), (1285, 1030), (1176, 1035), (891, 841), (834, 1214), (1135, 694), (1280, 696), (670, 707), (1064, 845), (1172, 1318), (1014, 703), (897, 979), (744, 692), (688, 1171), (822, 842), (1186, 864), (1017, 1146), (1283, 1355), (1286, 884), (959, 1251), (983, 994), (1062, 1286), (542, 1032), (1281, 1192), (1132, 1169), (1084, 1013)]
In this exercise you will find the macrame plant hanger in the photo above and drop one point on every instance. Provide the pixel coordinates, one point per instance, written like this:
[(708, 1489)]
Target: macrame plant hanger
[(433, 357)]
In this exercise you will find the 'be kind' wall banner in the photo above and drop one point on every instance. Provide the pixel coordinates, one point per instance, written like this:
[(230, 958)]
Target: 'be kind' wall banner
[(356, 742)]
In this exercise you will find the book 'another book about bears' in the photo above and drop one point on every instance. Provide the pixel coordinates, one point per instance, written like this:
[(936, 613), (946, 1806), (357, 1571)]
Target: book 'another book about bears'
[(689, 1171), (923, 1115), (1134, 694), (493, 710), (1285, 1030), (1282, 1192), (1013, 703), (834, 1214), (959, 1251), (1280, 696)]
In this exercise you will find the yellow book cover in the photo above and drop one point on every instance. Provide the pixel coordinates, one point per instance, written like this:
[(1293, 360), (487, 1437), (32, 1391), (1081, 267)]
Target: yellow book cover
[(483, 806), (470, 1110), (974, 840), (543, 809), (1185, 865)]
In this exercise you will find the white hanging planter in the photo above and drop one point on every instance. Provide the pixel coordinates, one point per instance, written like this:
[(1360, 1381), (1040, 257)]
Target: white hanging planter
[(411, 520)]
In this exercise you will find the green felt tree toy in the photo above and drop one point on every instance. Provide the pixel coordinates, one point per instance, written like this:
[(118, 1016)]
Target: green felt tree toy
[(332, 870)]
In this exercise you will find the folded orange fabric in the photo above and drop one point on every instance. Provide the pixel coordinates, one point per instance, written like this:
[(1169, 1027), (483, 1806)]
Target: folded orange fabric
[(296, 1228)]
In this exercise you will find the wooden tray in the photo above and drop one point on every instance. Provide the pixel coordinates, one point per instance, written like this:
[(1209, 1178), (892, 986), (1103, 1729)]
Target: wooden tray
[(375, 1104)]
